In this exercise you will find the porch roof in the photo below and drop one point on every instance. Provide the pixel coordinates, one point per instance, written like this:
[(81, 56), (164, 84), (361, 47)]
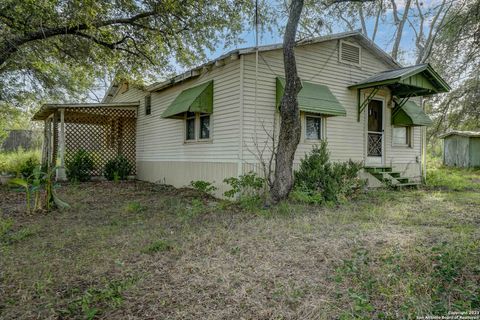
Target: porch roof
[(47, 109), (418, 80)]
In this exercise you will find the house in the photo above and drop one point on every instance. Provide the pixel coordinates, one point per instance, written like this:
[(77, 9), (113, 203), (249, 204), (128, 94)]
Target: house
[(461, 149), (217, 120)]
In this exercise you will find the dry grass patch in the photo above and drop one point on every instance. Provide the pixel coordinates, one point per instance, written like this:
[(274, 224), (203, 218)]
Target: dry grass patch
[(139, 250)]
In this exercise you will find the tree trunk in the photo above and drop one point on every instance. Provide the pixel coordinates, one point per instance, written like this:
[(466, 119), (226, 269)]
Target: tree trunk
[(401, 24), (290, 129)]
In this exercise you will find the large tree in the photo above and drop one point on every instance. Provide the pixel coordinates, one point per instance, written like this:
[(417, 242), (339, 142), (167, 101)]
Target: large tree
[(290, 127), (58, 48)]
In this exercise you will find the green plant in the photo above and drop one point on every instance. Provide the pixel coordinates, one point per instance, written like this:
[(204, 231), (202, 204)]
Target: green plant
[(34, 184), (5, 227), (79, 168), (134, 207), (117, 169), (203, 186), (247, 185), (21, 162), (320, 180), (158, 246)]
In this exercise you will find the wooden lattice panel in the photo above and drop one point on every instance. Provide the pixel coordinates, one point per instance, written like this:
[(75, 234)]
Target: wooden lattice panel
[(103, 132)]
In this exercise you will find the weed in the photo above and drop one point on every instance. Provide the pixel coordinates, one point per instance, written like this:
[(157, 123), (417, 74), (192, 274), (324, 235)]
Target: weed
[(134, 207), (189, 212), (158, 246), (247, 185), (203, 186), (93, 300)]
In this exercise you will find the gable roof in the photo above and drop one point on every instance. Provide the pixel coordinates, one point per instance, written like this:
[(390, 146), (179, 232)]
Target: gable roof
[(430, 81), (234, 54)]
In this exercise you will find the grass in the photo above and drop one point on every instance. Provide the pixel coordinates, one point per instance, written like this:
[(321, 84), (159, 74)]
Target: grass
[(11, 162), (145, 251)]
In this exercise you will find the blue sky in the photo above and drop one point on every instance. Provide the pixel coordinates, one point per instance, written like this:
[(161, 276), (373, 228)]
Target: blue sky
[(384, 38)]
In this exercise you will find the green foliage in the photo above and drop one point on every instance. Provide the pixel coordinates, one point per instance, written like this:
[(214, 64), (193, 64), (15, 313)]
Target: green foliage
[(134, 207), (6, 225), (158, 246), (203, 186), (36, 183), (453, 178), (429, 280), (69, 47), (8, 235), (187, 211), (21, 162), (318, 180), (79, 168), (117, 169), (247, 185), (91, 303)]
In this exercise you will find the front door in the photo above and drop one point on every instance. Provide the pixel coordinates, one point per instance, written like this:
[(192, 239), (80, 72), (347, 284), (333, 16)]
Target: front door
[(375, 132)]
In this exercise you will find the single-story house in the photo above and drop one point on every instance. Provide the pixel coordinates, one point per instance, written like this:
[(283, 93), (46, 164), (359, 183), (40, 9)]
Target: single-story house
[(461, 149), (216, 121)]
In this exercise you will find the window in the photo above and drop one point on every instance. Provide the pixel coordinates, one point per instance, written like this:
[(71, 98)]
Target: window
[(350, 53), (402, 136), (148, 105), (204, 126), (197, 126), (190, 126), (313, 127)]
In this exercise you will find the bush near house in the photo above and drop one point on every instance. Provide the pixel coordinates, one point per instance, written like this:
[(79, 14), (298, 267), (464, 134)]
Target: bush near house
[(78, 169), (118, 168), (319, 180)]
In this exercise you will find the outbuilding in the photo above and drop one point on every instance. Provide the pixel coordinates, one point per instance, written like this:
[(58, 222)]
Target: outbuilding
[(461, 149)]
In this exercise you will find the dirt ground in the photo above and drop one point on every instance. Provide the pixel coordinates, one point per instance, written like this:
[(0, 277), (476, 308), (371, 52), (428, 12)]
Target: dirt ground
[(135, 250)]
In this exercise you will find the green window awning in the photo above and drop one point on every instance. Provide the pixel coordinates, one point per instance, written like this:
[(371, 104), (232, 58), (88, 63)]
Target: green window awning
[(195, 99), (313, 98), (410, 115)]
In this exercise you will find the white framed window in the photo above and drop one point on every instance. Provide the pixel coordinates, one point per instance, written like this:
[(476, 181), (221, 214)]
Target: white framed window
[(197, 127), (402, 136), (313, 127), (350, 53)]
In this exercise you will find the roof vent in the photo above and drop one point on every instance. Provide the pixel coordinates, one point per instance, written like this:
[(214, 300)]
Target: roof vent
[(349, 53)]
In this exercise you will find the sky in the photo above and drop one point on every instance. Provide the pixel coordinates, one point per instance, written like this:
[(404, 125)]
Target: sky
[(384, 38)]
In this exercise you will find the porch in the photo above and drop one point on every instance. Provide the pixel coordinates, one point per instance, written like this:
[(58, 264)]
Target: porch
[(104, 130)]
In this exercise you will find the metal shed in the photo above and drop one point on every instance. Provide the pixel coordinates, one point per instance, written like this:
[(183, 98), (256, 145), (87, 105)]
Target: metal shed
[(461, 149)]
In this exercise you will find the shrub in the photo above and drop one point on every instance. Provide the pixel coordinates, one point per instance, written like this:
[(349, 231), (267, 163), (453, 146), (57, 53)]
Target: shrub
[(21, 163), (118, 168), (247, 185), (78, 169), (319, 180), (203, 186)]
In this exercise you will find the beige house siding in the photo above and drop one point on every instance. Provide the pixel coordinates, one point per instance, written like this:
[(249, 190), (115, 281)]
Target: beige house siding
[(318, 63), (162, 153), (244, 111)]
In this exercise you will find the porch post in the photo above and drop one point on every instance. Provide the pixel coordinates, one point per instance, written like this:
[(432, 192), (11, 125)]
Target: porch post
[(61, 173)]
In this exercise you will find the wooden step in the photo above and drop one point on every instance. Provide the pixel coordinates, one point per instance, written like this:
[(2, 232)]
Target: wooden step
[(378, 169), (407, 185)]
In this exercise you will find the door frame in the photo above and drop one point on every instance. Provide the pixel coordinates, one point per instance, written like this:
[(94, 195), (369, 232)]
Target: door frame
[(376, 161)]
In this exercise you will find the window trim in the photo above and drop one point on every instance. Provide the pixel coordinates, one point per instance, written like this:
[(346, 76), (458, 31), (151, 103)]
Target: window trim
[(409, 137), (149, 106), (322, 127), (197, 129), (340, 49)]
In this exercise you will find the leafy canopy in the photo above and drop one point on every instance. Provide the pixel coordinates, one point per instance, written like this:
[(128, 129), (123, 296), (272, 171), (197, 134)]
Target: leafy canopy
[(56, 49)]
